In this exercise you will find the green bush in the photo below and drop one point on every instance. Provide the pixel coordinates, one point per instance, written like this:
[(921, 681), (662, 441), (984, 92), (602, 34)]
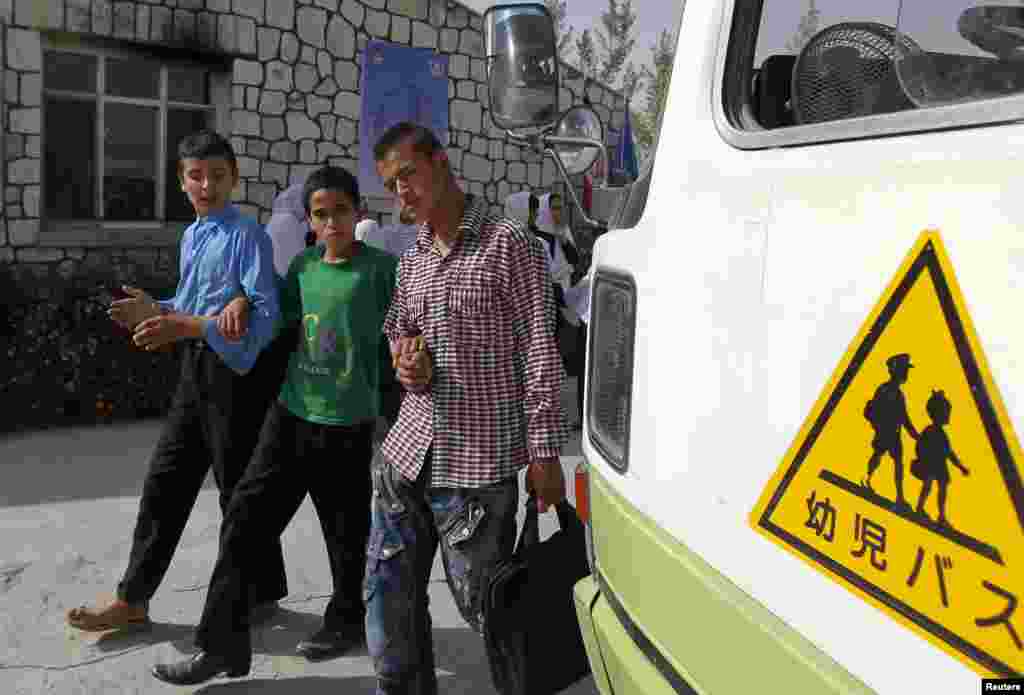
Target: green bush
[(66, 362)]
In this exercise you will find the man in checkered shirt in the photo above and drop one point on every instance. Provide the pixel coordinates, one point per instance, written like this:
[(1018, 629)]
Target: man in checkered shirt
[(482, 402)]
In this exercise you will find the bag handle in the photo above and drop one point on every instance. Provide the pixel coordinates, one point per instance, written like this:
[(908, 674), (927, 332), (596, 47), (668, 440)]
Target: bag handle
[(568, 520), (529, 535)]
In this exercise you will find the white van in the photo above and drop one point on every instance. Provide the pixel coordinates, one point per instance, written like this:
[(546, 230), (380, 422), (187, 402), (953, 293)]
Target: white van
[(806, 358)]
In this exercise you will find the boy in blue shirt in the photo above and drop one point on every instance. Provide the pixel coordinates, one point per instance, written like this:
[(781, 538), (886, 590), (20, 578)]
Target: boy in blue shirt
[(222, 393)]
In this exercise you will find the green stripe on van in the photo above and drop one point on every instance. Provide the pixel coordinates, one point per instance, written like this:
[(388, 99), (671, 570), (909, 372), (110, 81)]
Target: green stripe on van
[(718, 638)]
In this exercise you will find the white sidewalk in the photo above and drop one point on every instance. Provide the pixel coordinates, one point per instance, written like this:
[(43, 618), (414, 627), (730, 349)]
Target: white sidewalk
[(68, 500)]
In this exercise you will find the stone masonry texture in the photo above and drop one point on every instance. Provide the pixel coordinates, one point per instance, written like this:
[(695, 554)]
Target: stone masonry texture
[(289, 76)]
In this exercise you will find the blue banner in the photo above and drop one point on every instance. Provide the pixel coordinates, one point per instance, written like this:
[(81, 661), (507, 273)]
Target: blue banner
[(399, 83), (623, 156)]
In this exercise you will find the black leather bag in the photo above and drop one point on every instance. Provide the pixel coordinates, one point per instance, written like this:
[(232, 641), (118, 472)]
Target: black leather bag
[(533, 640)]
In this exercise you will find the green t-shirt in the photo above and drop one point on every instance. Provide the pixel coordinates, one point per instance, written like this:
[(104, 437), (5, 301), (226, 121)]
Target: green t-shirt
[(334, 373)]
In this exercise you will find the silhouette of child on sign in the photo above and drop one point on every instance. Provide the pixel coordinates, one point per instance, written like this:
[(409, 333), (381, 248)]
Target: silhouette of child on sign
[(933, 450), (887, 413)]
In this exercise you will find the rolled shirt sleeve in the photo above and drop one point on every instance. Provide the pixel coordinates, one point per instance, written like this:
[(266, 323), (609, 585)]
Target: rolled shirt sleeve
[(253, 254)]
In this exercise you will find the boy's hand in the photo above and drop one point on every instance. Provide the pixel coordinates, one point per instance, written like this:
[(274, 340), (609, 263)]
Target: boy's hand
[(132, 311), (233, 322), (413, 364), (159, 331), (544, 477)]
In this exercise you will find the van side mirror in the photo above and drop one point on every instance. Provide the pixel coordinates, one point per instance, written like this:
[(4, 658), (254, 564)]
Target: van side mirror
[(522, 65), (582, 124), (522, 77)]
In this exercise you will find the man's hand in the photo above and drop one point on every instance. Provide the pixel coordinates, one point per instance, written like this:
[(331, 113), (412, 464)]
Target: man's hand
[(544, 478), (129, 313), (414, 369), (233, 322), (159, 331)]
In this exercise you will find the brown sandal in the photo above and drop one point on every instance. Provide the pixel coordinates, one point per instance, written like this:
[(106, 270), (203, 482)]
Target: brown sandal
[(117, 615)]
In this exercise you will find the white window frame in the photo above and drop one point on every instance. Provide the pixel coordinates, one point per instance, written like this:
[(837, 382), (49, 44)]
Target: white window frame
[(738, 126), (99, 231)]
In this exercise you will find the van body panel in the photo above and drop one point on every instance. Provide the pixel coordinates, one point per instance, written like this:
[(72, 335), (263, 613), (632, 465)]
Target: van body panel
[(755, 270), (585, 594), (629, 670), (695, 618)]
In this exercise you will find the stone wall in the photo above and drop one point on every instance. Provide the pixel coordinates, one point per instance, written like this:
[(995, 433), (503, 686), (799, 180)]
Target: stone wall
[(294, 105), (295, 95)]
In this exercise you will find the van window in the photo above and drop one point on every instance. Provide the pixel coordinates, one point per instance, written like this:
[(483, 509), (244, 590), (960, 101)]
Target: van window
[(820, 61)]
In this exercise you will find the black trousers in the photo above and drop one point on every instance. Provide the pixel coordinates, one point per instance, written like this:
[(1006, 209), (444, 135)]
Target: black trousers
[(213, 423), (293, 457)]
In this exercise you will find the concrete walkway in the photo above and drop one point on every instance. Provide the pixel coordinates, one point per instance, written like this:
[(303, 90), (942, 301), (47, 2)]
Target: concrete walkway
[(68, 500)]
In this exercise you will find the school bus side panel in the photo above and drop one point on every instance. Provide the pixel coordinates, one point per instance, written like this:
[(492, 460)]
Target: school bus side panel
[(755, 270)]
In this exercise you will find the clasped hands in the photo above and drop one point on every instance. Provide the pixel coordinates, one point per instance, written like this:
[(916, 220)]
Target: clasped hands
[(413, 366), (153, 329)]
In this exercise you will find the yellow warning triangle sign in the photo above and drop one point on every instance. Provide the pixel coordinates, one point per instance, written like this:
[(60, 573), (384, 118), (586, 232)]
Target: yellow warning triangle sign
[(904, 482)]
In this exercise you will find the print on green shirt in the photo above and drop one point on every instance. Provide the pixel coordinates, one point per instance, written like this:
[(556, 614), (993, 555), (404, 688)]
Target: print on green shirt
[(325, 351)]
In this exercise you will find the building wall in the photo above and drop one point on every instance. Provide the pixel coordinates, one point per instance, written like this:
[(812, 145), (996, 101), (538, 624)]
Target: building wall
[(295, 103), (292, 103)]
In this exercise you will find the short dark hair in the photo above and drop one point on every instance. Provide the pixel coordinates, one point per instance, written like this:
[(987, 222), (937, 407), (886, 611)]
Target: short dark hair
[(330, 178), (423, 140), (205, 144), (534, 203)]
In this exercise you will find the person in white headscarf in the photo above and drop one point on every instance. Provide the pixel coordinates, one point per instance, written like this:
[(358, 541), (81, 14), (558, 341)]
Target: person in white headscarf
[(288, 228), (558, 264), (529, 209), (366, 226), (576, 297), (517, 206), (397, 237), (551, 218)]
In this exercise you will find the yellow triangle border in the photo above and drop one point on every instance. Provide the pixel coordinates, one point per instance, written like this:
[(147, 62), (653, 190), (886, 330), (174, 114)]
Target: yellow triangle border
[(927, 255)]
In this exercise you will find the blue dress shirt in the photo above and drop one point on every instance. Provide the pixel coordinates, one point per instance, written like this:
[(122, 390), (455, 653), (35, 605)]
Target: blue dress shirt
[(223, 255)]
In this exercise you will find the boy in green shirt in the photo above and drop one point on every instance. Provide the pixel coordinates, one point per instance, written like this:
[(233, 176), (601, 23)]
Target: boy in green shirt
[(317, 438)]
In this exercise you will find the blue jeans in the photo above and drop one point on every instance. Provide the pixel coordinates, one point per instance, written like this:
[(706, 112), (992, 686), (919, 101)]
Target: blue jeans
[(475, 528)]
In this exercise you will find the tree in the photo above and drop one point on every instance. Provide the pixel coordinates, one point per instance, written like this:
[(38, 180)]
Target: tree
[(631, 81), (807, 28), (564, 36), (586, 55), (616, 39), (645, 123)]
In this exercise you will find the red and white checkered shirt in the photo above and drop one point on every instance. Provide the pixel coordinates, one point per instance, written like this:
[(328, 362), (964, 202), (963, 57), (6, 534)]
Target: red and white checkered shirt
[(486, 312)]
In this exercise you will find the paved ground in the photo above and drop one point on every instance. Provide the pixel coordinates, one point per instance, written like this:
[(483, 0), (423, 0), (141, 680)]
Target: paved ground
[(68, 500)]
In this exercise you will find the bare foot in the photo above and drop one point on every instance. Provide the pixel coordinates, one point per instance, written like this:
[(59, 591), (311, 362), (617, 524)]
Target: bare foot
[(115, 615)]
